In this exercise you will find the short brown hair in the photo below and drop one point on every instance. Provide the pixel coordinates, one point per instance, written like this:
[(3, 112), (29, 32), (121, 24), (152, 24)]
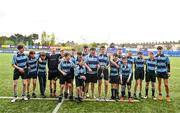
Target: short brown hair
[(102, 47), (20, 47), (93, 49), (85, 47), (66, 54), (42, 54), (79, 53), (31, 52), (159, 48)]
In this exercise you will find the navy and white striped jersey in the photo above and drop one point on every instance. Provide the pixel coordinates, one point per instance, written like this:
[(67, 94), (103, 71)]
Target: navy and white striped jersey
[(32, 64), (73, 59), (20, 60), (163, 63), (130, 61), (80, 71), (92, 62), (125, 71), (139, 63), (66, 66), (114, 71), (42, 67), (151, 64), (103, 59)]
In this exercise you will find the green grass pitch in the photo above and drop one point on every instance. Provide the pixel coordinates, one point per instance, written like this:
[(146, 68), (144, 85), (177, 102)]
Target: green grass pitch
[(47, 106)]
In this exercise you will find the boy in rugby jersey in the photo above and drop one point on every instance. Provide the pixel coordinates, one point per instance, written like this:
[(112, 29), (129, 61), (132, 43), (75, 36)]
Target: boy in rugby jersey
[(85, 53), (19, 63), (32, 73), (125, 77), (79, 55), (139, 73), (73, 59), (150, 74), (130, 60), (65, 69), (80, 77), (163, 72), (103, 72), (119, 53), (62, 52), (92, 65), (42, 73), (114, 75)]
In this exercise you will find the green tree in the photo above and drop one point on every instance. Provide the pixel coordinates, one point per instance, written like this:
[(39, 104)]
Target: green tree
[(52, 40)]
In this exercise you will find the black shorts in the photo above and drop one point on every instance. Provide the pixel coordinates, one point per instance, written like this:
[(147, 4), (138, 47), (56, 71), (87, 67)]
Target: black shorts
[(17, 74), (91, 78), (124, 81), (72, 73), (65, 79), (163, 75), (79, 82), (114, 79), (32, 75), (139, 74), (150, 76), (105, 73), (53, 75)]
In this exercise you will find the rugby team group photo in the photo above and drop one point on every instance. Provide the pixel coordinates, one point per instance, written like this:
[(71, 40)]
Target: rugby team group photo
[(79, 73)]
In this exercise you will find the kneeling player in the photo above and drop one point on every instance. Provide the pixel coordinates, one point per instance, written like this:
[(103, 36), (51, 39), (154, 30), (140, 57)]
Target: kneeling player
[(150, 74), (125, 77), (80, 77)]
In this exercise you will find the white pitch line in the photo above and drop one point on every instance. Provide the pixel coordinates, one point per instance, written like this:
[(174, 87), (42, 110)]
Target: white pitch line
[(30, 98), (94, 100), (175, 68), (90, 100), (58, 107)]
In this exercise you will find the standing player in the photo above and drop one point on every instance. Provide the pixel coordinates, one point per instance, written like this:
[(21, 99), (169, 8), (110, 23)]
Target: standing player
[(32, 73), (150, 74), (19, 62), (125, 77), (42, 73), (114, 75), (80, 77), (130, 60), (84, 54), (119, 53), (85, 51), (139, 73), (65, 77), (73, 60), (163, 72), (53, 73), (79, 55), (103, 70), (92, 64)]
